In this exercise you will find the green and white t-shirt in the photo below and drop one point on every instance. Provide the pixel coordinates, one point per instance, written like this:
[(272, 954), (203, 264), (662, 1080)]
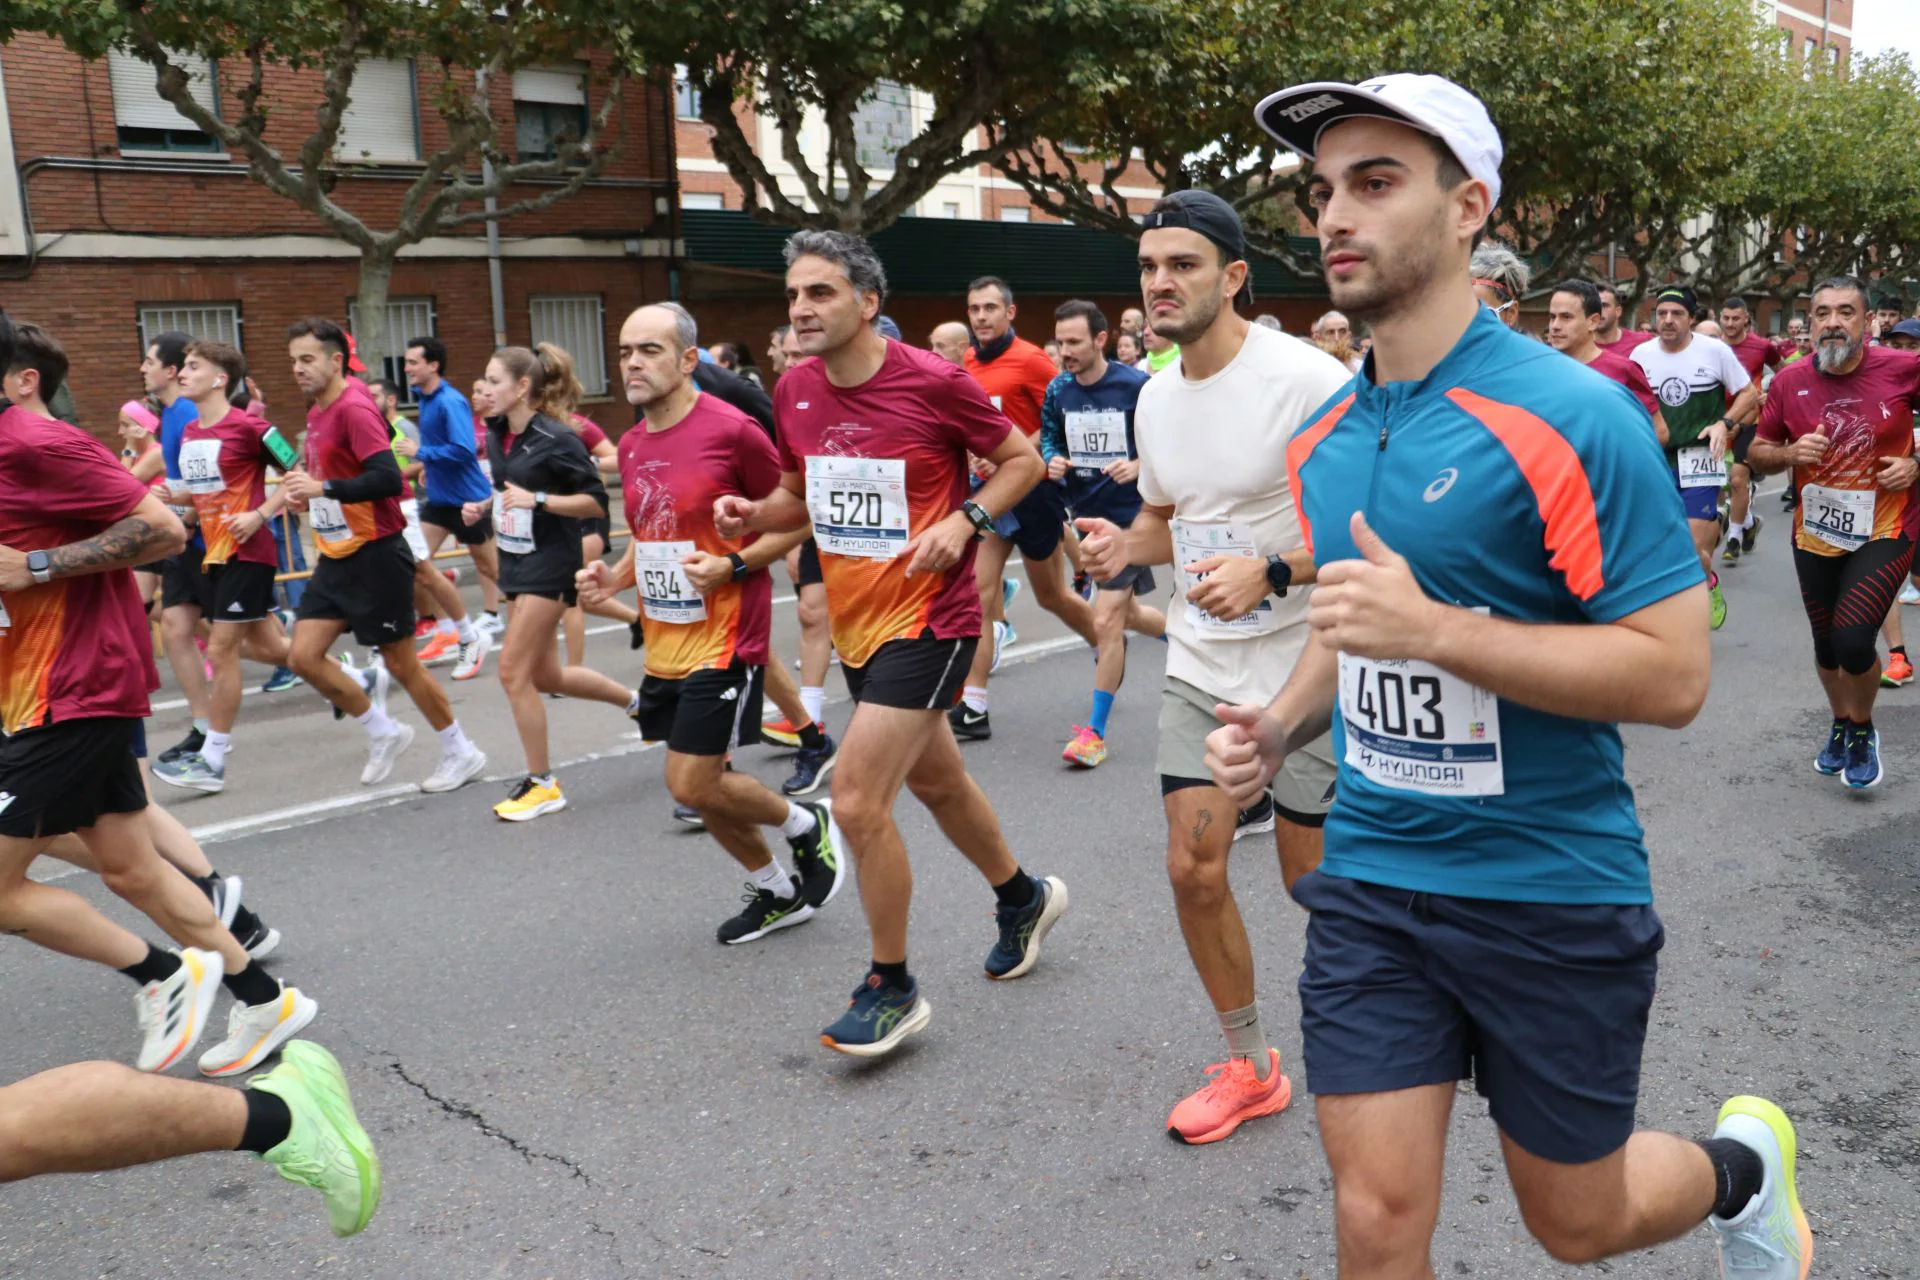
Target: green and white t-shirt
[(1695, 384)]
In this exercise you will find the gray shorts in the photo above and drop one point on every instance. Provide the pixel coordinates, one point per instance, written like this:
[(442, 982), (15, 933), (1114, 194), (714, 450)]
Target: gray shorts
[(1137, 578), (1302, 790)]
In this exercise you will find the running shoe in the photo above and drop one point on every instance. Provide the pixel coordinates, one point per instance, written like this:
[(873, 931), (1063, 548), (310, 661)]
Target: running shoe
[(224, 894), (780, 733), (1009, 588), (174, 1012), (1254, 821), (1910, 594), (456, 770), (326, 1149), (1833, 756), (816, 858), (473, 655), (1022, 928), (637, 636), (439, 646), (691, 816), (1087, 748), (1083, 587), (878, 1019), (1012, 636), (1769, 1239), (1234, 1093), (279, 680), (765, 912), (529, 800), (255, 936), (378, 683), (1863, 758), (1896, 672), (1751, 534), (1716, 604), (1789, 498), (810, 768), (384, 749), (969, 725), (256, 1032), (422, 628), (491, 624), (1000, 630), (191, 745), (1732, 553), (193, 773)]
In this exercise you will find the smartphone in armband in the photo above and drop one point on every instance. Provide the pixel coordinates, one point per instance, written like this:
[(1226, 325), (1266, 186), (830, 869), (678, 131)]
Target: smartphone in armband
[(283, 453)]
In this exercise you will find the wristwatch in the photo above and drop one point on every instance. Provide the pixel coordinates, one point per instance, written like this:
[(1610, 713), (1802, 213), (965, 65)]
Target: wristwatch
[(540, 500), (1279, 575), (739, 565), (978, 515), (40, 565)]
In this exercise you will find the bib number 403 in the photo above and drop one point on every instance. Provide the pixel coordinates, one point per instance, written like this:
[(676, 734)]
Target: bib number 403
[(1401, 705)]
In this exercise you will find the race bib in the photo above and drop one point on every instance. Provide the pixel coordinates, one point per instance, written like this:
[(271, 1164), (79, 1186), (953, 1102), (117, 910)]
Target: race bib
[(666, 593), (1195, 540), (415, 536), (5, 620), (512, 526), (1840, 518), (1702, 468), (858, 505), (200, 466), (1096, 437), (1413, 727), (329, 521)]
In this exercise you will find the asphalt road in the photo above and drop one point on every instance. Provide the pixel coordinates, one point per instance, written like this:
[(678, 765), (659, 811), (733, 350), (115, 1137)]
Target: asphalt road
[(567, 1077)]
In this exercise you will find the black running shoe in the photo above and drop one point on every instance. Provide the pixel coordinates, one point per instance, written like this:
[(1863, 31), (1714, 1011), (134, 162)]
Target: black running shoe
[(636, 635), (762, 915), (254, 935), (1022, 928), (816, 859), (1255, 821), (688, 814), (191, 745), (1751, 533), (969, 725)]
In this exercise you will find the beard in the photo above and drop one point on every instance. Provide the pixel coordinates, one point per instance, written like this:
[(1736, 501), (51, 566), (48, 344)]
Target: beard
[(1398, 279), (1196, 318), (1830, 355)]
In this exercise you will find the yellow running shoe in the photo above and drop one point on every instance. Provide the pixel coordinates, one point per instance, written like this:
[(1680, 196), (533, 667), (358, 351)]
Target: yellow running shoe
[(1769, 1239), (531, 797)]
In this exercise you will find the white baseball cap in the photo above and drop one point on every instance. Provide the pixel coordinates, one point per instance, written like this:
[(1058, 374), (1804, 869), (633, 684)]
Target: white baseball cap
[(1431, 104)]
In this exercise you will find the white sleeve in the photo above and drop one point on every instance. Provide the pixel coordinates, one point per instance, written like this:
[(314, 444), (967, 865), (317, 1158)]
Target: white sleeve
[(1147, 482)]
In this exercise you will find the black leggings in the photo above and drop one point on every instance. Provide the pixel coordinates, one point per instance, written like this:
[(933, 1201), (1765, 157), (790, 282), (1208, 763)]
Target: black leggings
[(1847, 598)]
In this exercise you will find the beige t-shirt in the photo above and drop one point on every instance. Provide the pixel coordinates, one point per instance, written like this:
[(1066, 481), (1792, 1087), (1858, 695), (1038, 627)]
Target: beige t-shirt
[(1216, 452)]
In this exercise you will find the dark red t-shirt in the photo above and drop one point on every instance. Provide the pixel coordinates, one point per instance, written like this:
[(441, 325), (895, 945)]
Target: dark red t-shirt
[(1756, 353), (340, 438), (1865, 415), (225, 466), (1615, 365), (74, 648), (926, 414), (590, 433), (1625, 343), (670, 479)]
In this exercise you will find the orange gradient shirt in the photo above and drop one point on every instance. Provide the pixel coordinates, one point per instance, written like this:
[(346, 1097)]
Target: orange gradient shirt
[(1866, 415), (225, 466)]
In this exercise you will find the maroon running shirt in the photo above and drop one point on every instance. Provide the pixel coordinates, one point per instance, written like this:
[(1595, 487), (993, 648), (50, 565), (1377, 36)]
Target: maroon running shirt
[(1625, 343), (1627, 374), (339, 439), (1756, 353)]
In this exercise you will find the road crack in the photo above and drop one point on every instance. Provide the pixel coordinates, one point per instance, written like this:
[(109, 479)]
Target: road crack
[(460, 1110)]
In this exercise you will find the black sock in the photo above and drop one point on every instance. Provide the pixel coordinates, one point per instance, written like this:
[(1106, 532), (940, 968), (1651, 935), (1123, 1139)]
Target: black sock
[(157, 967), (245, 923), (1899, 649), (252, 985), (894, 975), (268, 1122), (1737, 1175), (1018, 891), (811, 739)]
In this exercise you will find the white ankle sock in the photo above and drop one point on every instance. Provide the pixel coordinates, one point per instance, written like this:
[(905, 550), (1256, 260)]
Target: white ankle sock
[(215, 750), (976, 699), (377, 723), (774, 879), (814, 699), (799, 821), (444, 626), (453, 740)]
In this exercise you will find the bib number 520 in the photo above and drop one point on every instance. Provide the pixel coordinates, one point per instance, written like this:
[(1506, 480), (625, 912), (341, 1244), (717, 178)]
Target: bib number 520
[(854, 508), (1401, 705)]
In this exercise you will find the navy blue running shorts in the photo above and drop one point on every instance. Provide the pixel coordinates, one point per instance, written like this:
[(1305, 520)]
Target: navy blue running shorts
[(1544, 1006)]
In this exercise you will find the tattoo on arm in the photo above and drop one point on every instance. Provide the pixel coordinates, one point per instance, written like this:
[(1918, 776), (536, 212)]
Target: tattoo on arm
[(121, 545), (1201, 824)]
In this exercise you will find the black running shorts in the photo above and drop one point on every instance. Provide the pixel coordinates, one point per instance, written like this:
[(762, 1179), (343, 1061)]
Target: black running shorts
[(239, 591), (921, 674), (707, 713), (64, 776), (371, 591)]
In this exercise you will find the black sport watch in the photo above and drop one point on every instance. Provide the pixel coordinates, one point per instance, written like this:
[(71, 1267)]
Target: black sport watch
[(739, 563), (978, 515), (1279, 575)]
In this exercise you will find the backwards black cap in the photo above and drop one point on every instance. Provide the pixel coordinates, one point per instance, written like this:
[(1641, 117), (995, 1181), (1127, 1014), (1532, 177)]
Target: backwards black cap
[(1213, 218), (1679, 293)]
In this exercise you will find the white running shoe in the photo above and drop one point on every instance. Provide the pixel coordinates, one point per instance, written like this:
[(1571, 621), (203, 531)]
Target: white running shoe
[(1910, 594), (172, 1013), (255, 1032), (457, 768), (383, 751), (473, 655)]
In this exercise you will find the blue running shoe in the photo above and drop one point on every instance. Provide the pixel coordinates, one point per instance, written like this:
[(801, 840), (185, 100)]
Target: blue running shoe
[(280, 681), (1009, 588), (810, 768), (878, 1019), (1863, 758), (1022, 928), (688, 814), (1833, 757)]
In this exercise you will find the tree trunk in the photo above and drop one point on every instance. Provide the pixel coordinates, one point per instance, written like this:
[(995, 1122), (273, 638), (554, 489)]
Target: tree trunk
[(370, 334)]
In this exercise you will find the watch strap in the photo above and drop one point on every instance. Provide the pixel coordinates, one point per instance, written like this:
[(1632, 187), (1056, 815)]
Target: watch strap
[(739, 565)]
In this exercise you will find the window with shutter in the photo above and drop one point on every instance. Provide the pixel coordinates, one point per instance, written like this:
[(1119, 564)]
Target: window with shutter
[(145, 121), (576, 323), (407, 318), (379, 125), (547, 102)]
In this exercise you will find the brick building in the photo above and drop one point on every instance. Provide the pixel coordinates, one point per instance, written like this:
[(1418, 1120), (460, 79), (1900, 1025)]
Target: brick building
[(127, 221), (1813, 28)]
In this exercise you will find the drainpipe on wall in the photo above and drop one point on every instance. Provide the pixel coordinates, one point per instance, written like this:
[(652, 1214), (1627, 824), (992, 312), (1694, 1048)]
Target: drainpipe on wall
[(494, 284)]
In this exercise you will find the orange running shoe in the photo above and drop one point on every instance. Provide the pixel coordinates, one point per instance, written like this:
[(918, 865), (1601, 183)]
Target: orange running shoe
[(442, 644), (1898, 671), (1233, 1094), (781, 733), (1087, 748)]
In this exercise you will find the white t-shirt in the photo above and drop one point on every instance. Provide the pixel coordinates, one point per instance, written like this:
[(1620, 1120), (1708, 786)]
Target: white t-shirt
[(1695, 384), (1216, 452)]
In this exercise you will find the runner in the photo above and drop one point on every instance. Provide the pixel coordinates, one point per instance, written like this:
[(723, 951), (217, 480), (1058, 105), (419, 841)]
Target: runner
[(1887, 312), (1500, 280), (183, 587), (1494, 548), (1608, 334), (1756, 355), (451, 478), (876, 435), (1015, 374), (224, 456), (949, 341), (1573, 311), (547, 493), (76, 668), (1704, 394), (1087, 438), (707, 606), (350, 489), (1854, 531), (1219, 507), (139, 429)]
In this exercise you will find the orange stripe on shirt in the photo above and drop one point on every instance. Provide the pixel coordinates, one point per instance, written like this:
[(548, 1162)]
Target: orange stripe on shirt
[(1304, 442), (1559, 483)]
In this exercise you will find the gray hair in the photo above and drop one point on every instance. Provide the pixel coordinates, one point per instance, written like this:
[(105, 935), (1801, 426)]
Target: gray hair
[(851, 253), (686, 330), (1503, 267), (1269, 322)]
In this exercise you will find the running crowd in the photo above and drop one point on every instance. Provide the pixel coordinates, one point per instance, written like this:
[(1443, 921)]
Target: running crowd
[(1418, 583)]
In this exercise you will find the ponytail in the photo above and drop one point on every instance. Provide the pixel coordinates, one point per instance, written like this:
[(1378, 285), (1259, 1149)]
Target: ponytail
[(558, 392)]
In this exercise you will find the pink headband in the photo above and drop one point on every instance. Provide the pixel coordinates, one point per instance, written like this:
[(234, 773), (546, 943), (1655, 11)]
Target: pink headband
[(141, 414)]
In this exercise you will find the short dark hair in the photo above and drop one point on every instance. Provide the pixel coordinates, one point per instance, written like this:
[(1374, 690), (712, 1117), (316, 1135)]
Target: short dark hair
[(1606, 291), (1450, 173), (1736, 303), (227, 356), (432, 350), (1586, 291), (170, 348), (1096, 319), (34, 348), (386, 386), (323, 331), (992, 282)]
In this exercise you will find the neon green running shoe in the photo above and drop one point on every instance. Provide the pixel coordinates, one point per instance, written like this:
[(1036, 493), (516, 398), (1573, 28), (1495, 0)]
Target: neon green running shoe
[(1768, 1239), (326, 1149), (1716, 605)]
